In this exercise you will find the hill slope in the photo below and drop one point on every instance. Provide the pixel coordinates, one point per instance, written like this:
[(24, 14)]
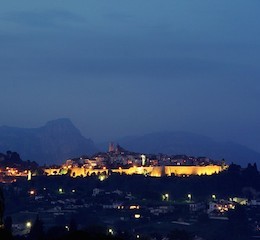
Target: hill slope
[(53, 143), (190, 144)]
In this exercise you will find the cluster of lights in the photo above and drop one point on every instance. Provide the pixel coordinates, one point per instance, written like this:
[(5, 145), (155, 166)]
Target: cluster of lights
[(134, 207), (60, 190), (166, 197), (226, 207)]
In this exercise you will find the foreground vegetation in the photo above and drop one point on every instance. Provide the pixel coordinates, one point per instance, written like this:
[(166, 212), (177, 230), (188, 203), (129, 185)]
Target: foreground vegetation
[(147, 192)]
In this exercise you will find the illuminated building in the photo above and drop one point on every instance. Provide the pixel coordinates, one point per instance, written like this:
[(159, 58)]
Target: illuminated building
[(111, 147), (220, 207), (29, 176), (118, 160), (157, 171)]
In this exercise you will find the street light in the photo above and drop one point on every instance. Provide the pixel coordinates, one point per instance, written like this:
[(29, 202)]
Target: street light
[(32, 192), (28, 224), (110, 231), (189, 196), (214, 197), (102, 178), (165, 197)]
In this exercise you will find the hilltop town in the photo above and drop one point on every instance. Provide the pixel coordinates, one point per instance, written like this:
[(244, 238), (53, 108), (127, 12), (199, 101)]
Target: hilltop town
[(119, 160), (116, 160)]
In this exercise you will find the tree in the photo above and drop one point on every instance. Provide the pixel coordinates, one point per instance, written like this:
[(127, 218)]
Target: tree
[(203, 218), (8, 224), (180, 235), (56, 232), (238, 223), (2, 206), (37, 232), (72, 225), (234, 168), (5, 235)]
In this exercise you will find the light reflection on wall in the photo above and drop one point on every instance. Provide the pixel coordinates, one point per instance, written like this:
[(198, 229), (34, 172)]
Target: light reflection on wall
[(156, 171)]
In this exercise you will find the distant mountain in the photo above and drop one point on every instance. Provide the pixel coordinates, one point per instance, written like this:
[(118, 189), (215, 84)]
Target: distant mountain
[(190, 144), (51, 144)]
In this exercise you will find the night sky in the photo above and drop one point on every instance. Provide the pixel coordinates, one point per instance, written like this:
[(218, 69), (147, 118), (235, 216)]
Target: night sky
[(118, 68)]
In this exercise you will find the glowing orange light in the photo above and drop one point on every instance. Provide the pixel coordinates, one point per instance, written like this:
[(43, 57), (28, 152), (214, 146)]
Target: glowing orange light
[(134, 207), (32, 192)]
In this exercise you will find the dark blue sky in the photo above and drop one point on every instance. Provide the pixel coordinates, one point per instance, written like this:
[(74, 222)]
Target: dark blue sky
[(119, 68)]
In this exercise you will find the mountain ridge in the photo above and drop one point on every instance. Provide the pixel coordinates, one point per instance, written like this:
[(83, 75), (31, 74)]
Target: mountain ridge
[(192, 144), (59, 140), (52, 143)]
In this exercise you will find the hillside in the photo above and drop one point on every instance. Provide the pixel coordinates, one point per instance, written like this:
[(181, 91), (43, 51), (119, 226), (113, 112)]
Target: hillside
[(53, 143), (189, 144)]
